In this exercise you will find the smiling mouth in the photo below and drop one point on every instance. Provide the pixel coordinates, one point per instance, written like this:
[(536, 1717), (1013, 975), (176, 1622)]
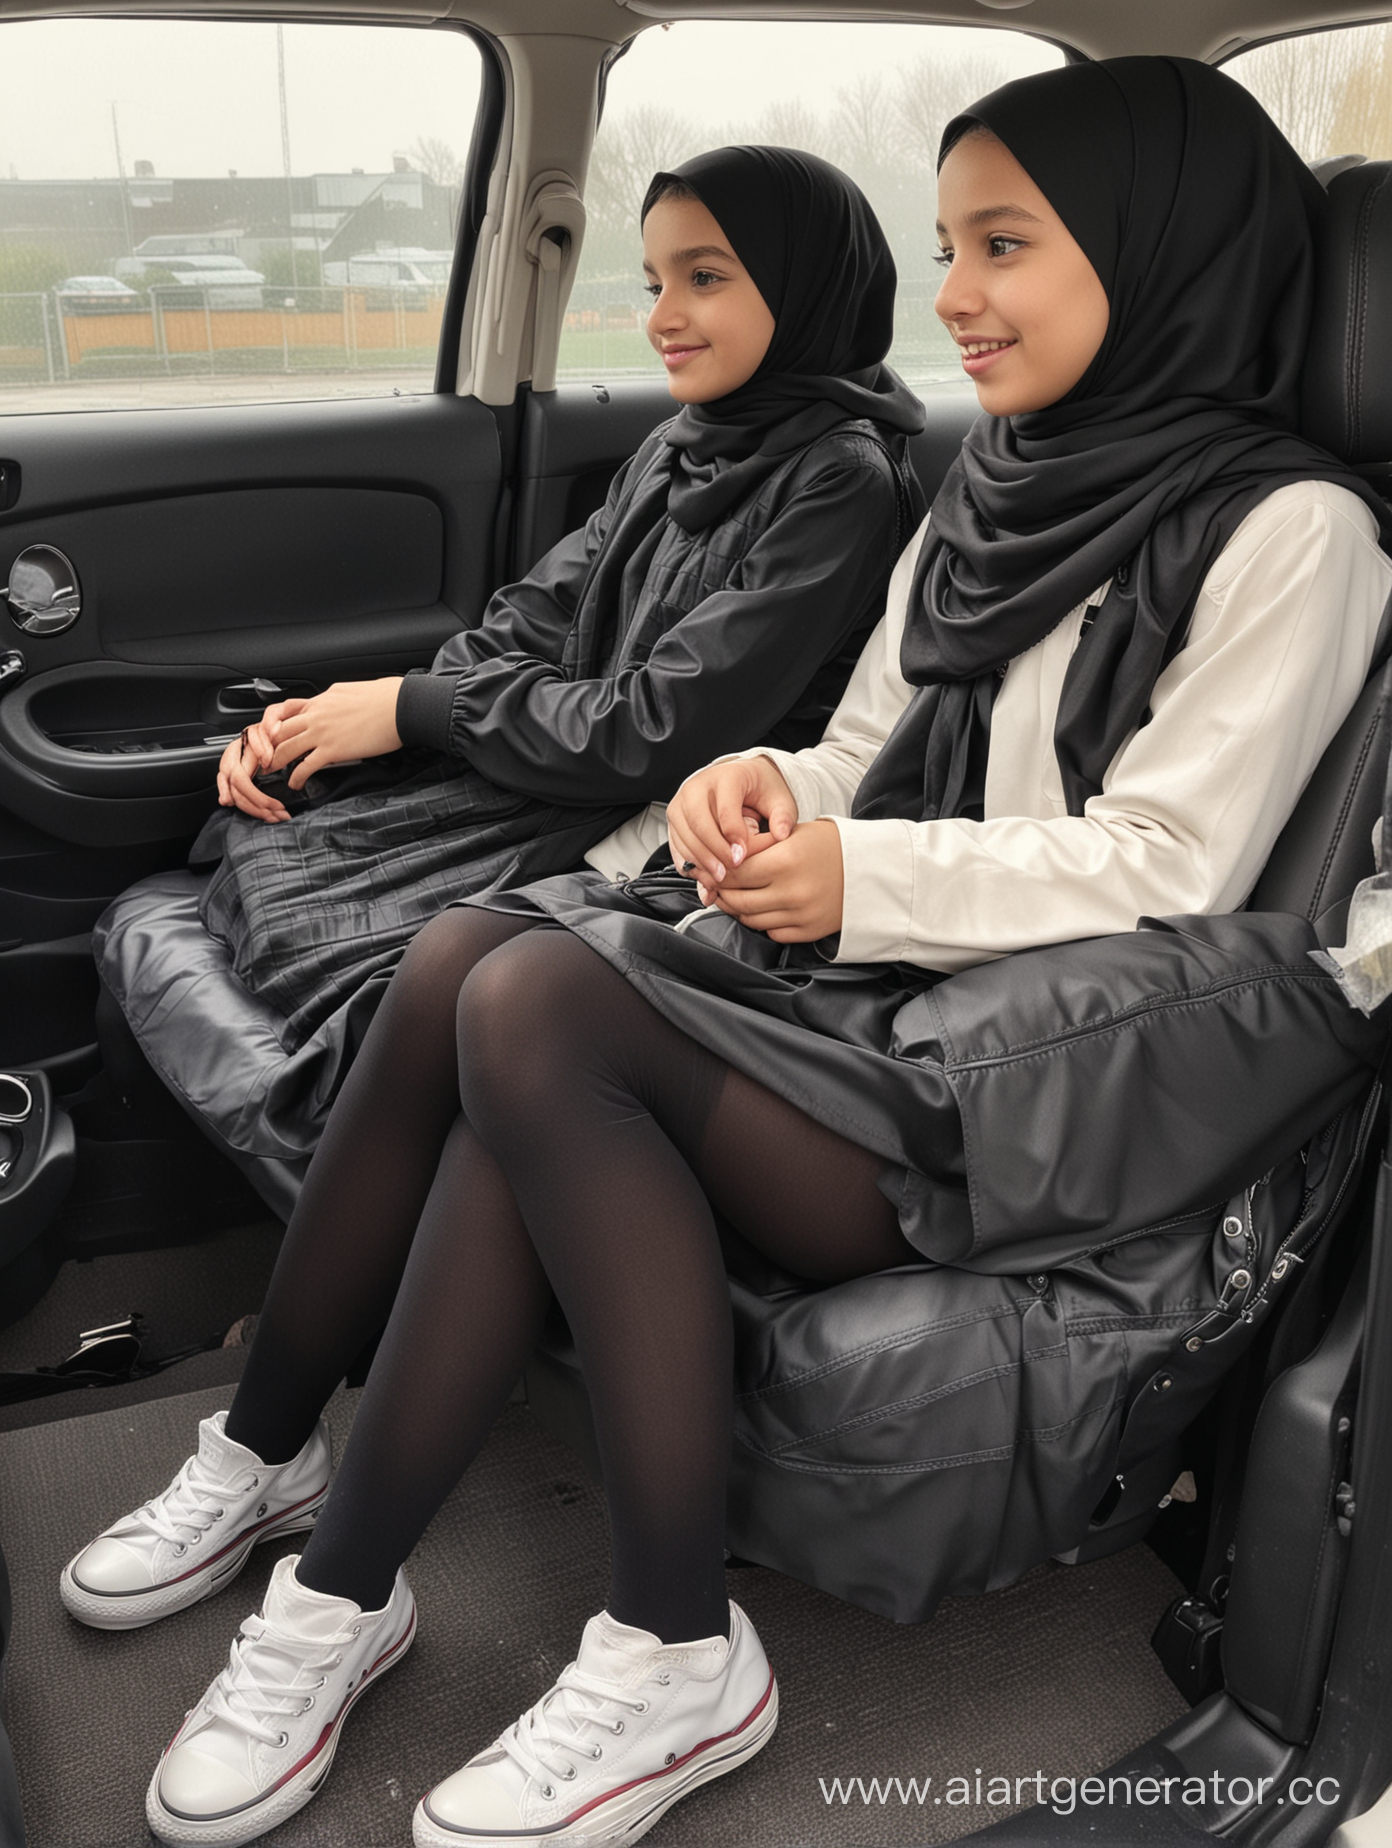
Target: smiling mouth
[(675, 356), (980, 356)]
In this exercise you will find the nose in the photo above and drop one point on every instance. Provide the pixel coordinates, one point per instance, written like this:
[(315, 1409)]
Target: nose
[(960, 298), (665, 316)]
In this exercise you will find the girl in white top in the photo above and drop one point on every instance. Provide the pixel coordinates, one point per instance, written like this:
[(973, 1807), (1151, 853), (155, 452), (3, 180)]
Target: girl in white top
[(1136, 616)]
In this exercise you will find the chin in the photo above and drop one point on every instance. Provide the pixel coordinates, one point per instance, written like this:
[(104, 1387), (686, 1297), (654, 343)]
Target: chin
[(1010, 403)]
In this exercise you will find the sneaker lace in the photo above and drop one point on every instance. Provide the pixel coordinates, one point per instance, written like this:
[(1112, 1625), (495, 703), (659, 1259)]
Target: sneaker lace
[(189, 1504), (253, 1691), (552, 1736)]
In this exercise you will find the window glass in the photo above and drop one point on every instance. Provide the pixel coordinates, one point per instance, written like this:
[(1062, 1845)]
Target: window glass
[(196, 212), (872, 98), (1330, 92)]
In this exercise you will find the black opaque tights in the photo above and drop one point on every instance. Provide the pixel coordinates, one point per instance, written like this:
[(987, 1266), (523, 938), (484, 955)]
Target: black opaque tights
[(593, 1140)]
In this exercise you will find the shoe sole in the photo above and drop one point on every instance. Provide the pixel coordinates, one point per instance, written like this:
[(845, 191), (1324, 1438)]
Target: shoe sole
[(249, 1824), (630, 1813), (133, 1610)]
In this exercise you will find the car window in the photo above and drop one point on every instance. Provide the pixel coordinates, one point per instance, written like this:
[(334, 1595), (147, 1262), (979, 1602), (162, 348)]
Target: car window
[(226, 211), (1331, 92), (873, 98)]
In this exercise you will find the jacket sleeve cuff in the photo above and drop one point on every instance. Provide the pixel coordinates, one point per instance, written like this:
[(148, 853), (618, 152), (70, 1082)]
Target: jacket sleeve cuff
[(878, 864), (802, 785), (424, 703)]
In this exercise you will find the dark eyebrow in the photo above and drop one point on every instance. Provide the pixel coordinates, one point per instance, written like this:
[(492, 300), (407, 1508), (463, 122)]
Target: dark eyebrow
[(984, 214), (697, 250)]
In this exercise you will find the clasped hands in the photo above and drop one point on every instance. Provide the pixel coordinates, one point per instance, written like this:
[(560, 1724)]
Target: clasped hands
[(350, 720), (735, 827)]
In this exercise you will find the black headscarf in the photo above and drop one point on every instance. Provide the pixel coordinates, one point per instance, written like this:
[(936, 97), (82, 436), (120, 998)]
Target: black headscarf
[(815, 252), (1198, 217)]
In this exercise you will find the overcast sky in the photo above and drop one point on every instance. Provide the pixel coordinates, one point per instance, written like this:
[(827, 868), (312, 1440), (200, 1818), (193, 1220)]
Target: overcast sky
[(202, 98)]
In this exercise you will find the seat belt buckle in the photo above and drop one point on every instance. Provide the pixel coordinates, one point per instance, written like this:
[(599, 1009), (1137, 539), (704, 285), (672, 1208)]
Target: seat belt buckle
[(1188, 1641)]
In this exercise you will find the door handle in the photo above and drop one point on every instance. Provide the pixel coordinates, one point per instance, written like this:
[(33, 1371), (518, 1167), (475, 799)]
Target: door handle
[(249, 696), (13, 667)]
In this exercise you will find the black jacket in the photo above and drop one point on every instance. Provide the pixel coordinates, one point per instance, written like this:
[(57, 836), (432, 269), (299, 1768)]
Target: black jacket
[(746, 629)]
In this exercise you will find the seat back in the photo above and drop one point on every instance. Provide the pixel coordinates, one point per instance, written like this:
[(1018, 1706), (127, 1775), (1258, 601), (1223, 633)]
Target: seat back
[(1326, 846)]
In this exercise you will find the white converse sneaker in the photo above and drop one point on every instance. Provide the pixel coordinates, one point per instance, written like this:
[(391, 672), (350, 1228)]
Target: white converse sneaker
[(195, 1537), (260, 1742), (631, 1726)]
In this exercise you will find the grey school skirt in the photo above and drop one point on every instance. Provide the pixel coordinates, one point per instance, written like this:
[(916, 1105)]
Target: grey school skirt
[(1032, 1108)]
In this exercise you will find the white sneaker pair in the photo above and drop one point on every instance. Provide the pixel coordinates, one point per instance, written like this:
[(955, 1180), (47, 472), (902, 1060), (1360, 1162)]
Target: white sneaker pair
[(630, 1727)]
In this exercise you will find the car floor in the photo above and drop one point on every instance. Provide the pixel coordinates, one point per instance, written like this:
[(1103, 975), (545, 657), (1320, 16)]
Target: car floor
[(1053, 1674)]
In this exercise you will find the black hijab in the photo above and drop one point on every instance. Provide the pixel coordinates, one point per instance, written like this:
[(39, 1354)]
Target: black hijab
[(815, 252), (1198, 217)]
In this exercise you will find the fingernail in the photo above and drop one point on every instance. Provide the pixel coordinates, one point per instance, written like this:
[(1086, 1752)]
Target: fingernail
[(719, 870), (737, 853)]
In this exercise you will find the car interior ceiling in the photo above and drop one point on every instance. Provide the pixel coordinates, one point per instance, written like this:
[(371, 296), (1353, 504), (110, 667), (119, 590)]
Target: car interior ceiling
[(133, 1266)]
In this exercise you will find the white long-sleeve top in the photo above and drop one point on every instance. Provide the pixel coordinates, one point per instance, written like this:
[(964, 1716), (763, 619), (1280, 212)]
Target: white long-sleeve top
[(1277, 651)]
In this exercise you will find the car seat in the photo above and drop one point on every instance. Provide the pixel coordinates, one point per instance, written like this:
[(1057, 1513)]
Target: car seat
[(930, 1431)]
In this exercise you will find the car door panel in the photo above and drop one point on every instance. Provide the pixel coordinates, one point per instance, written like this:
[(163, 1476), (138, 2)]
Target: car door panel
[(237, 517), (291, 543), (574, 440), (303, 543), (248, 558)]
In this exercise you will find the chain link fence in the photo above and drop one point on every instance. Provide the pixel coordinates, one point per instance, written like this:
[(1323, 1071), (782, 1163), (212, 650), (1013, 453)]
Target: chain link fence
[(228, 332)]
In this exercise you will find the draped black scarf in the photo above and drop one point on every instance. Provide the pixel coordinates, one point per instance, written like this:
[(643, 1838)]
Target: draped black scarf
[(1198, 217)]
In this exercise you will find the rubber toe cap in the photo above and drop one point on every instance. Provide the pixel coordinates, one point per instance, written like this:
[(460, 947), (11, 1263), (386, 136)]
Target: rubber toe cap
[(107, 1567), (473, 1799), (194, 1785)]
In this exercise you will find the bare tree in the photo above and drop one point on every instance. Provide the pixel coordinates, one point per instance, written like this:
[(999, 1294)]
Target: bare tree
[(628, 150), (856, 140), (930, 93), (437, 160), (1363, 124), (789, 125), (1302, 84)]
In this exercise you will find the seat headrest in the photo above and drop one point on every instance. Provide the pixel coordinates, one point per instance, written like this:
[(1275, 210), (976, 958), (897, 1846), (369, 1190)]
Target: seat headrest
[(1346, 391)]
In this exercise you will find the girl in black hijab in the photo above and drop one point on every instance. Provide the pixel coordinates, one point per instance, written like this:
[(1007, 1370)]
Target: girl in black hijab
[(723, 592)]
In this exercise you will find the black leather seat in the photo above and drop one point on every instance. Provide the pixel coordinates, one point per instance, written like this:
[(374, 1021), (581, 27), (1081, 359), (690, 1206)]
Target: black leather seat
[(931, 1431)]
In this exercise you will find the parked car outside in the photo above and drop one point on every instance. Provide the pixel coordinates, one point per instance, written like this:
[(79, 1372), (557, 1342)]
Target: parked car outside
[(228, 281), (96, 295)]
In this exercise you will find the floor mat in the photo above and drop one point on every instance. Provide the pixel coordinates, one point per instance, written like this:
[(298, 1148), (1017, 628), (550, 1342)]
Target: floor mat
[(185, 1293), (1054, 1675)]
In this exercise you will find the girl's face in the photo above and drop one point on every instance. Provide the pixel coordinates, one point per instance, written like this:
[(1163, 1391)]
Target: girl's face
[(1021, 300), (708, 321)]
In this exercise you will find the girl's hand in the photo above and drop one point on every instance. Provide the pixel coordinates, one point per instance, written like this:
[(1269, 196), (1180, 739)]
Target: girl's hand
[(241, 760), (793, 890), (713, 820), (351, 719)]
